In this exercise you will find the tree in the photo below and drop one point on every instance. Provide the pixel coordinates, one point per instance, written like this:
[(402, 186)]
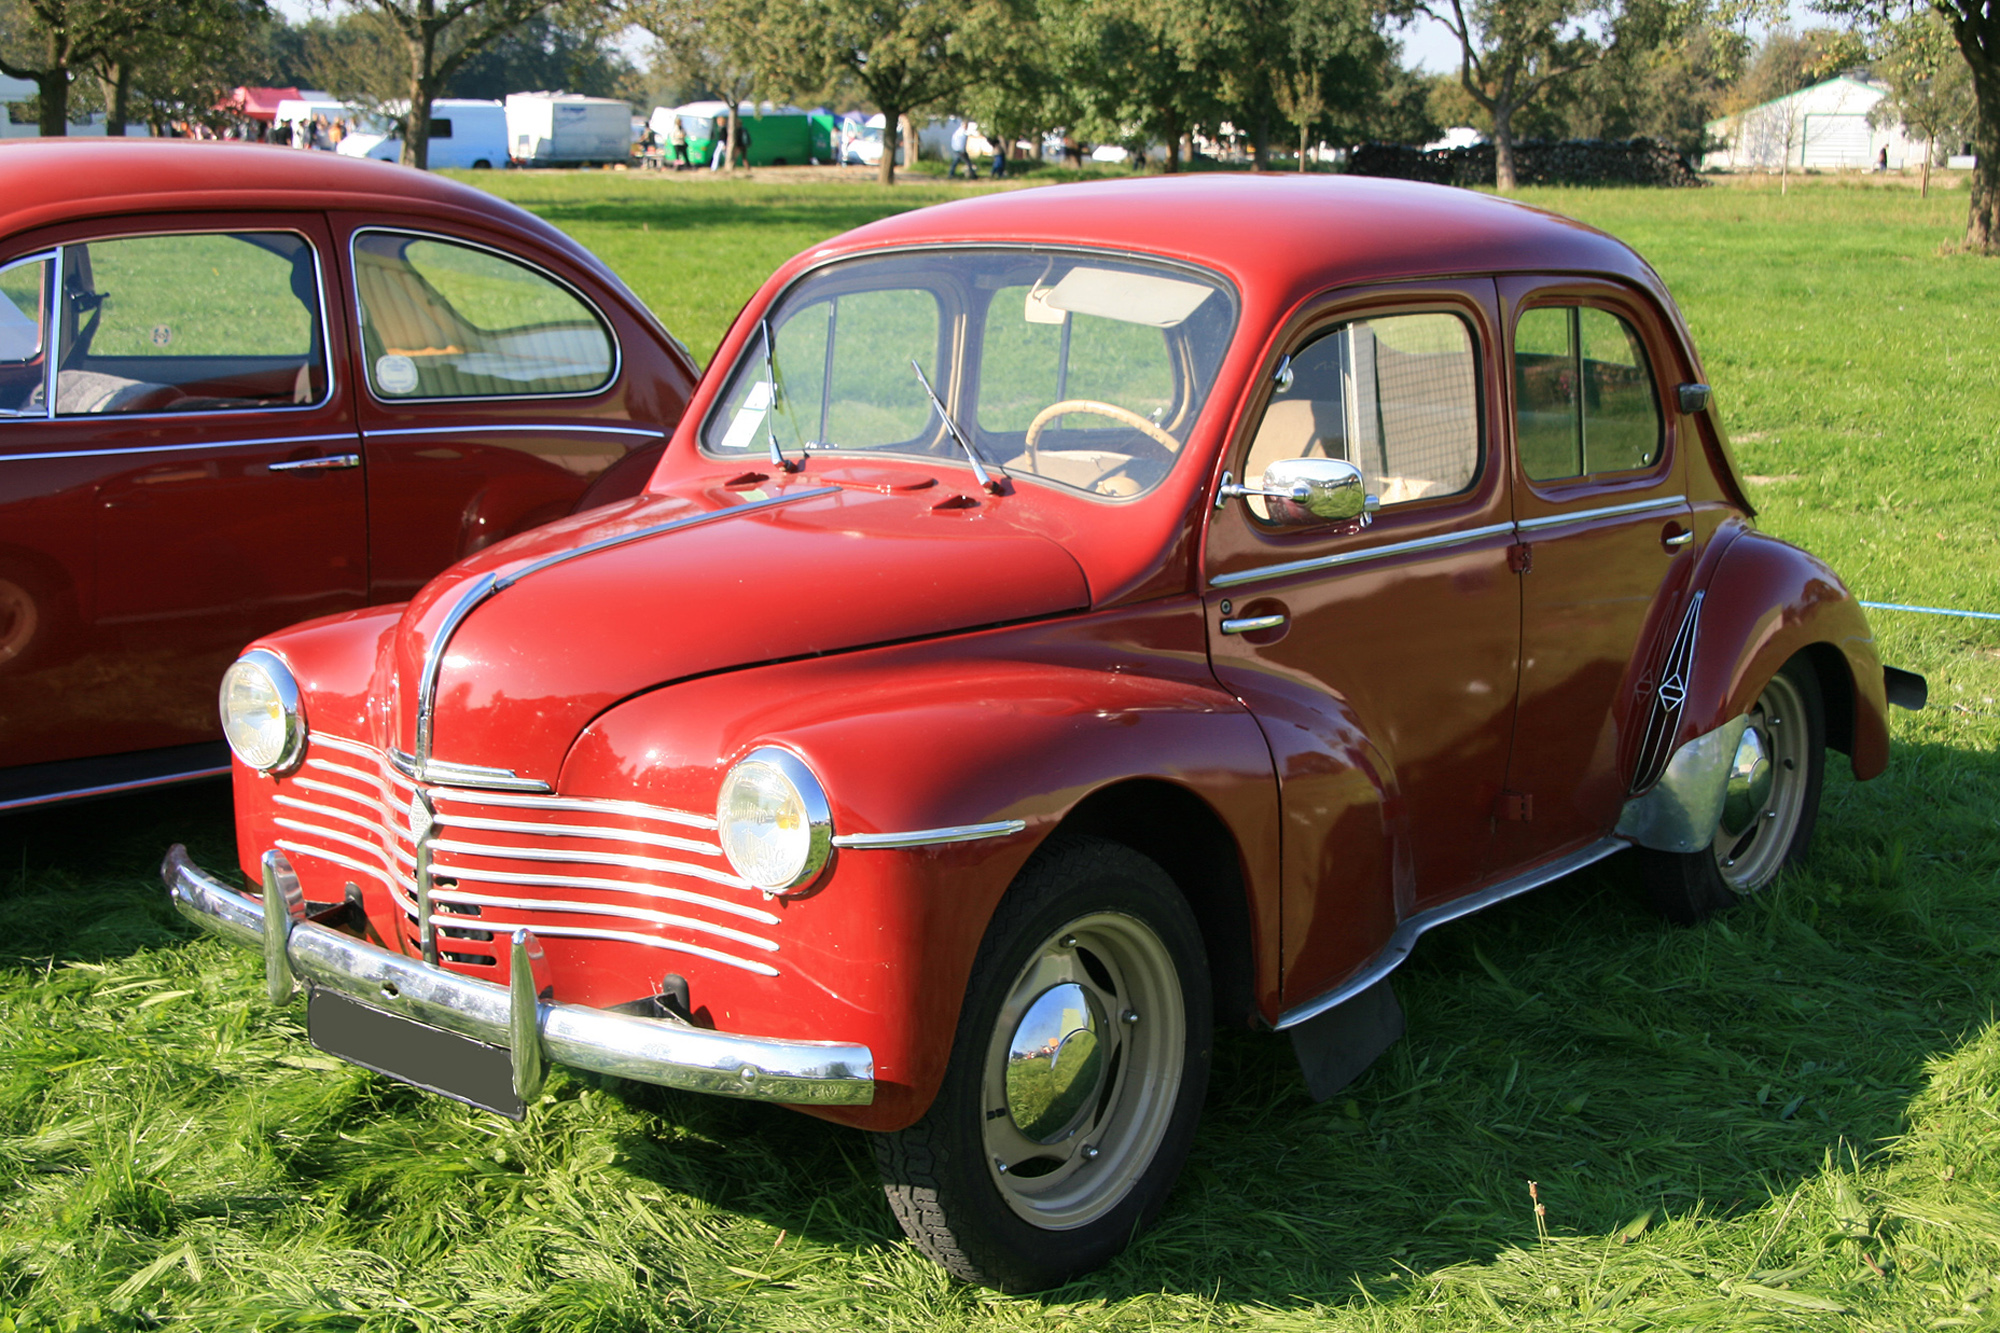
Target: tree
[(1132, 69), (1930, 85), (1975, 26), (716, 46), (437, 37), (187, 51), (905, 55), (50, 42)]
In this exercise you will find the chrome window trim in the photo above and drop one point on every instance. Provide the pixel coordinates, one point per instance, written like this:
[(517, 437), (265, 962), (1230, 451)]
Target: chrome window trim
[(1605, 511), (372, 433), (47, 347), (204, 445), (610, 333), (1405, 939), (931, 837), (1439, 542), (325, 342)]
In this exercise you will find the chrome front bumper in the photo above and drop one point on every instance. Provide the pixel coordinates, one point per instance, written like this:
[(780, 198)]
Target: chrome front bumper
[(672, 1055)]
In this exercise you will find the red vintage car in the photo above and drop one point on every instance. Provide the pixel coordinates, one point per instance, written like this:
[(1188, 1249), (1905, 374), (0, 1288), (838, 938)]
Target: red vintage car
[(240, 386), (949, 736)]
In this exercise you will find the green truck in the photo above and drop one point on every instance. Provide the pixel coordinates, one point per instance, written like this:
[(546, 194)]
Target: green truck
[(779, 136)]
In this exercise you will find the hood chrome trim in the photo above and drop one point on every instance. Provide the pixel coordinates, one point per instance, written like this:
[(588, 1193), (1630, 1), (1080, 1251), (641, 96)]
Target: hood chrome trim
[(420, 766)]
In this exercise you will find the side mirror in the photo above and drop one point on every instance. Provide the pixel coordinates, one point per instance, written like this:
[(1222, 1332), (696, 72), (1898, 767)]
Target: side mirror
[(1309, 492), (1694, 398)]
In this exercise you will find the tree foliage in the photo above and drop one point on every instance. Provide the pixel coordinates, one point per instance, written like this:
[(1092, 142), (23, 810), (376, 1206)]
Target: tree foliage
[(1930, 85), (179, 56)]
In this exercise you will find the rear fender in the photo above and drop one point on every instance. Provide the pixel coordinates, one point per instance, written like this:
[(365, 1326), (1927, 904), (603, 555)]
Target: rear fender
[(1766, 603)]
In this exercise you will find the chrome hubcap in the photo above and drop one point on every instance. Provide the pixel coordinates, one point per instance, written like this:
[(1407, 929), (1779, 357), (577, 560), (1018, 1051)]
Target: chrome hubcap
[(1082, 1070), (1766, 791)]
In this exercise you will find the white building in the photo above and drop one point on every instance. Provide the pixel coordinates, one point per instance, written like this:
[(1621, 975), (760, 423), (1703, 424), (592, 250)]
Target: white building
[(1821, 128)]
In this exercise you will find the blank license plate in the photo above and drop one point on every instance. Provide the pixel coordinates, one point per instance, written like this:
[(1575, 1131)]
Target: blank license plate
[(415, 1053)]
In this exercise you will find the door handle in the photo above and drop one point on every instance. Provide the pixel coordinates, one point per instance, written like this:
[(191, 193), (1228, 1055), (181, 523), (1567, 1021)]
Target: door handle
[(1676, 537), (1251, 624), (325, 463)]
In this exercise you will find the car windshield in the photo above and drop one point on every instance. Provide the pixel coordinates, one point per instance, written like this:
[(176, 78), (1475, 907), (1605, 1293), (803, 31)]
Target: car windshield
[(1083, 370)]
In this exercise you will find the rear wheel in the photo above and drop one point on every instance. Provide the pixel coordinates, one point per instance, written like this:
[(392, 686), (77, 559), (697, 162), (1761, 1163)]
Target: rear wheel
[(1770, 809), (1076, 1076)]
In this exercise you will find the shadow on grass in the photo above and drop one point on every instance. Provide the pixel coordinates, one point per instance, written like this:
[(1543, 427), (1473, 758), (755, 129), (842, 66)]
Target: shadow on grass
[(81, 883)]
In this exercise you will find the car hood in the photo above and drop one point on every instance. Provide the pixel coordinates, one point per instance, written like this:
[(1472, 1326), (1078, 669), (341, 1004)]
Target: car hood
[(543, 633)]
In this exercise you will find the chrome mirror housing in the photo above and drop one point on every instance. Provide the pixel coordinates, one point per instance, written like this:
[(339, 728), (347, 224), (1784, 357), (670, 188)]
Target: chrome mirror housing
[(1309, 492)]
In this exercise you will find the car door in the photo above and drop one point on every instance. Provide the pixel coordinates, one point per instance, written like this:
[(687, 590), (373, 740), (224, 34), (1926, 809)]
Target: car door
[(497, 384), (179, 471), (1606, 534), (1382, 661)]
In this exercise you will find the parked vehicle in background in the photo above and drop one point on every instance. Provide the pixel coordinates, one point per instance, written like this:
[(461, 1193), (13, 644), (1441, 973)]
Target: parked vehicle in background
[(1057, 625), (567, 129), (466, 134), (298, 113), (780, 136), (242, 385)]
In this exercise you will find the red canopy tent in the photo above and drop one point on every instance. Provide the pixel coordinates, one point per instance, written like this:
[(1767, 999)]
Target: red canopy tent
[(256, 103)]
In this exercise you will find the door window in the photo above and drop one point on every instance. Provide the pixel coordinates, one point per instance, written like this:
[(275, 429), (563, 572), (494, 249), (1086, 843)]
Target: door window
[(443, 320), (1583, 394), (24, 315), (1398, 396), (195, 322)]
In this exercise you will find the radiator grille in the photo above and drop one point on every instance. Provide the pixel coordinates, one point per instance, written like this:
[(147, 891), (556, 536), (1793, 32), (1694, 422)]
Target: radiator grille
[(566, 867)]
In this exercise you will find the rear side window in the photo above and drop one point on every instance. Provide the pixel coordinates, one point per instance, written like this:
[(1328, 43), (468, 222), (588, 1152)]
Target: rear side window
[(189, 323), (1583, 394), (24, 315), (1398, 396), (444, 320)]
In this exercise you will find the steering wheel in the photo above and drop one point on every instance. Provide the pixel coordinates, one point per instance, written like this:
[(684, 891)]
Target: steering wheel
[(1112, 410)]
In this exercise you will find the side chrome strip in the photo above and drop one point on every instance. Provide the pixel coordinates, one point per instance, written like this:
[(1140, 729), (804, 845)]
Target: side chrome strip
[(1608, 511), (180, 448), (489, 584), (1405, 939), (1440, 542), (565, 427), (931, 837)]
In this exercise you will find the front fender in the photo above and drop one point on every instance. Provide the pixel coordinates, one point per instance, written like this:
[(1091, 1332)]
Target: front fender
[(1768, 601), (1018, 724)]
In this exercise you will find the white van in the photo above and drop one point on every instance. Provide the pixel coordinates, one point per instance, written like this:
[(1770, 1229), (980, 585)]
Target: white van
[(465, 133), (298, 112), (565, 129)]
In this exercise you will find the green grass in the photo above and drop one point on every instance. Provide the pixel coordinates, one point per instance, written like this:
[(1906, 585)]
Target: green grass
[(1789, 1117)]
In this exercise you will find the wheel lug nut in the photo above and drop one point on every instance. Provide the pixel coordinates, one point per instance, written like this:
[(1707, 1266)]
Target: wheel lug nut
[(1066, 942), (1129, 1017), (1089, 1152)]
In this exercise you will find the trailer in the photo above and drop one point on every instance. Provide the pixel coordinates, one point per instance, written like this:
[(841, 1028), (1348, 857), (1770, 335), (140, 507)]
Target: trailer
[(778, 136), (568, 130)]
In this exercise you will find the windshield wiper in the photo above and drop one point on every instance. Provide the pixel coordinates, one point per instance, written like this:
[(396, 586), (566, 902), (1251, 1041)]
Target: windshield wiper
[(778, 459), (991, 486)]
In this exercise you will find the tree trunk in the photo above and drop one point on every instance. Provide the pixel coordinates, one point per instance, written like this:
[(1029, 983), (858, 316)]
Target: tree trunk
[(52, 89), (729, 136), (1924, 189), (1260, 140), (117, 85), (1503, 148), (1982, 225), (1302, 149), (423, 80), (892, 130)]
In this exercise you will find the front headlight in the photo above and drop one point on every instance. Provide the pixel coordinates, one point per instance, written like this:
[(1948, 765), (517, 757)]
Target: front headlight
[(261, 716), (773, 820)]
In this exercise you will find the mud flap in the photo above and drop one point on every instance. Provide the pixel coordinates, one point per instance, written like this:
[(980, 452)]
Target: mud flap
[(1336, 1047)]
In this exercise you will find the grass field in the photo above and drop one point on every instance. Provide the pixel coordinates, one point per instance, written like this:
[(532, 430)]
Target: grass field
[(1789, 1117)]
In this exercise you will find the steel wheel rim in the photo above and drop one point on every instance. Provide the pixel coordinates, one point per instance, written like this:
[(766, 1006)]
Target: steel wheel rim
[(1751, 859), (1123, 967)]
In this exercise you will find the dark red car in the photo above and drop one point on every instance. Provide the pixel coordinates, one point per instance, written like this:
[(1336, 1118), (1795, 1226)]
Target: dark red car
[(948, 736), (240, 386)]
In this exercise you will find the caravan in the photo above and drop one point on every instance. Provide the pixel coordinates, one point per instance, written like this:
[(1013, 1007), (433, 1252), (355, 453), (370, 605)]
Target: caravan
[(565, 129), (465, 133)]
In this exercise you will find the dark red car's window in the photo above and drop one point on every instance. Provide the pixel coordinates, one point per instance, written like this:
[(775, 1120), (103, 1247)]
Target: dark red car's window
[(1583, 394)]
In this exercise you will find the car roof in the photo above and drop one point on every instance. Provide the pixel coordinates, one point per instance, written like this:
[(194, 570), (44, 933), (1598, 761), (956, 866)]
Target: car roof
[(43, 181), (1273, 232)]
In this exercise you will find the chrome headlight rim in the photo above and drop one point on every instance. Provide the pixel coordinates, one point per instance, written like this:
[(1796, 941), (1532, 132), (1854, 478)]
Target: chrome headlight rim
[(286, 686), (812, 798)]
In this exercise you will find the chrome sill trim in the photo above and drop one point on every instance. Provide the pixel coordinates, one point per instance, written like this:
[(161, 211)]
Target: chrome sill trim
[(1440, 542), (1405, 939), (488, 430), (931, 837), (113, 788), (180, 448), (821, 1073), (1608, 511)]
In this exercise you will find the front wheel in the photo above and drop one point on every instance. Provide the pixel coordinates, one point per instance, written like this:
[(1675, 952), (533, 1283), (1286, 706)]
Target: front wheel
[(1076, 1077), (1770, 809)]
